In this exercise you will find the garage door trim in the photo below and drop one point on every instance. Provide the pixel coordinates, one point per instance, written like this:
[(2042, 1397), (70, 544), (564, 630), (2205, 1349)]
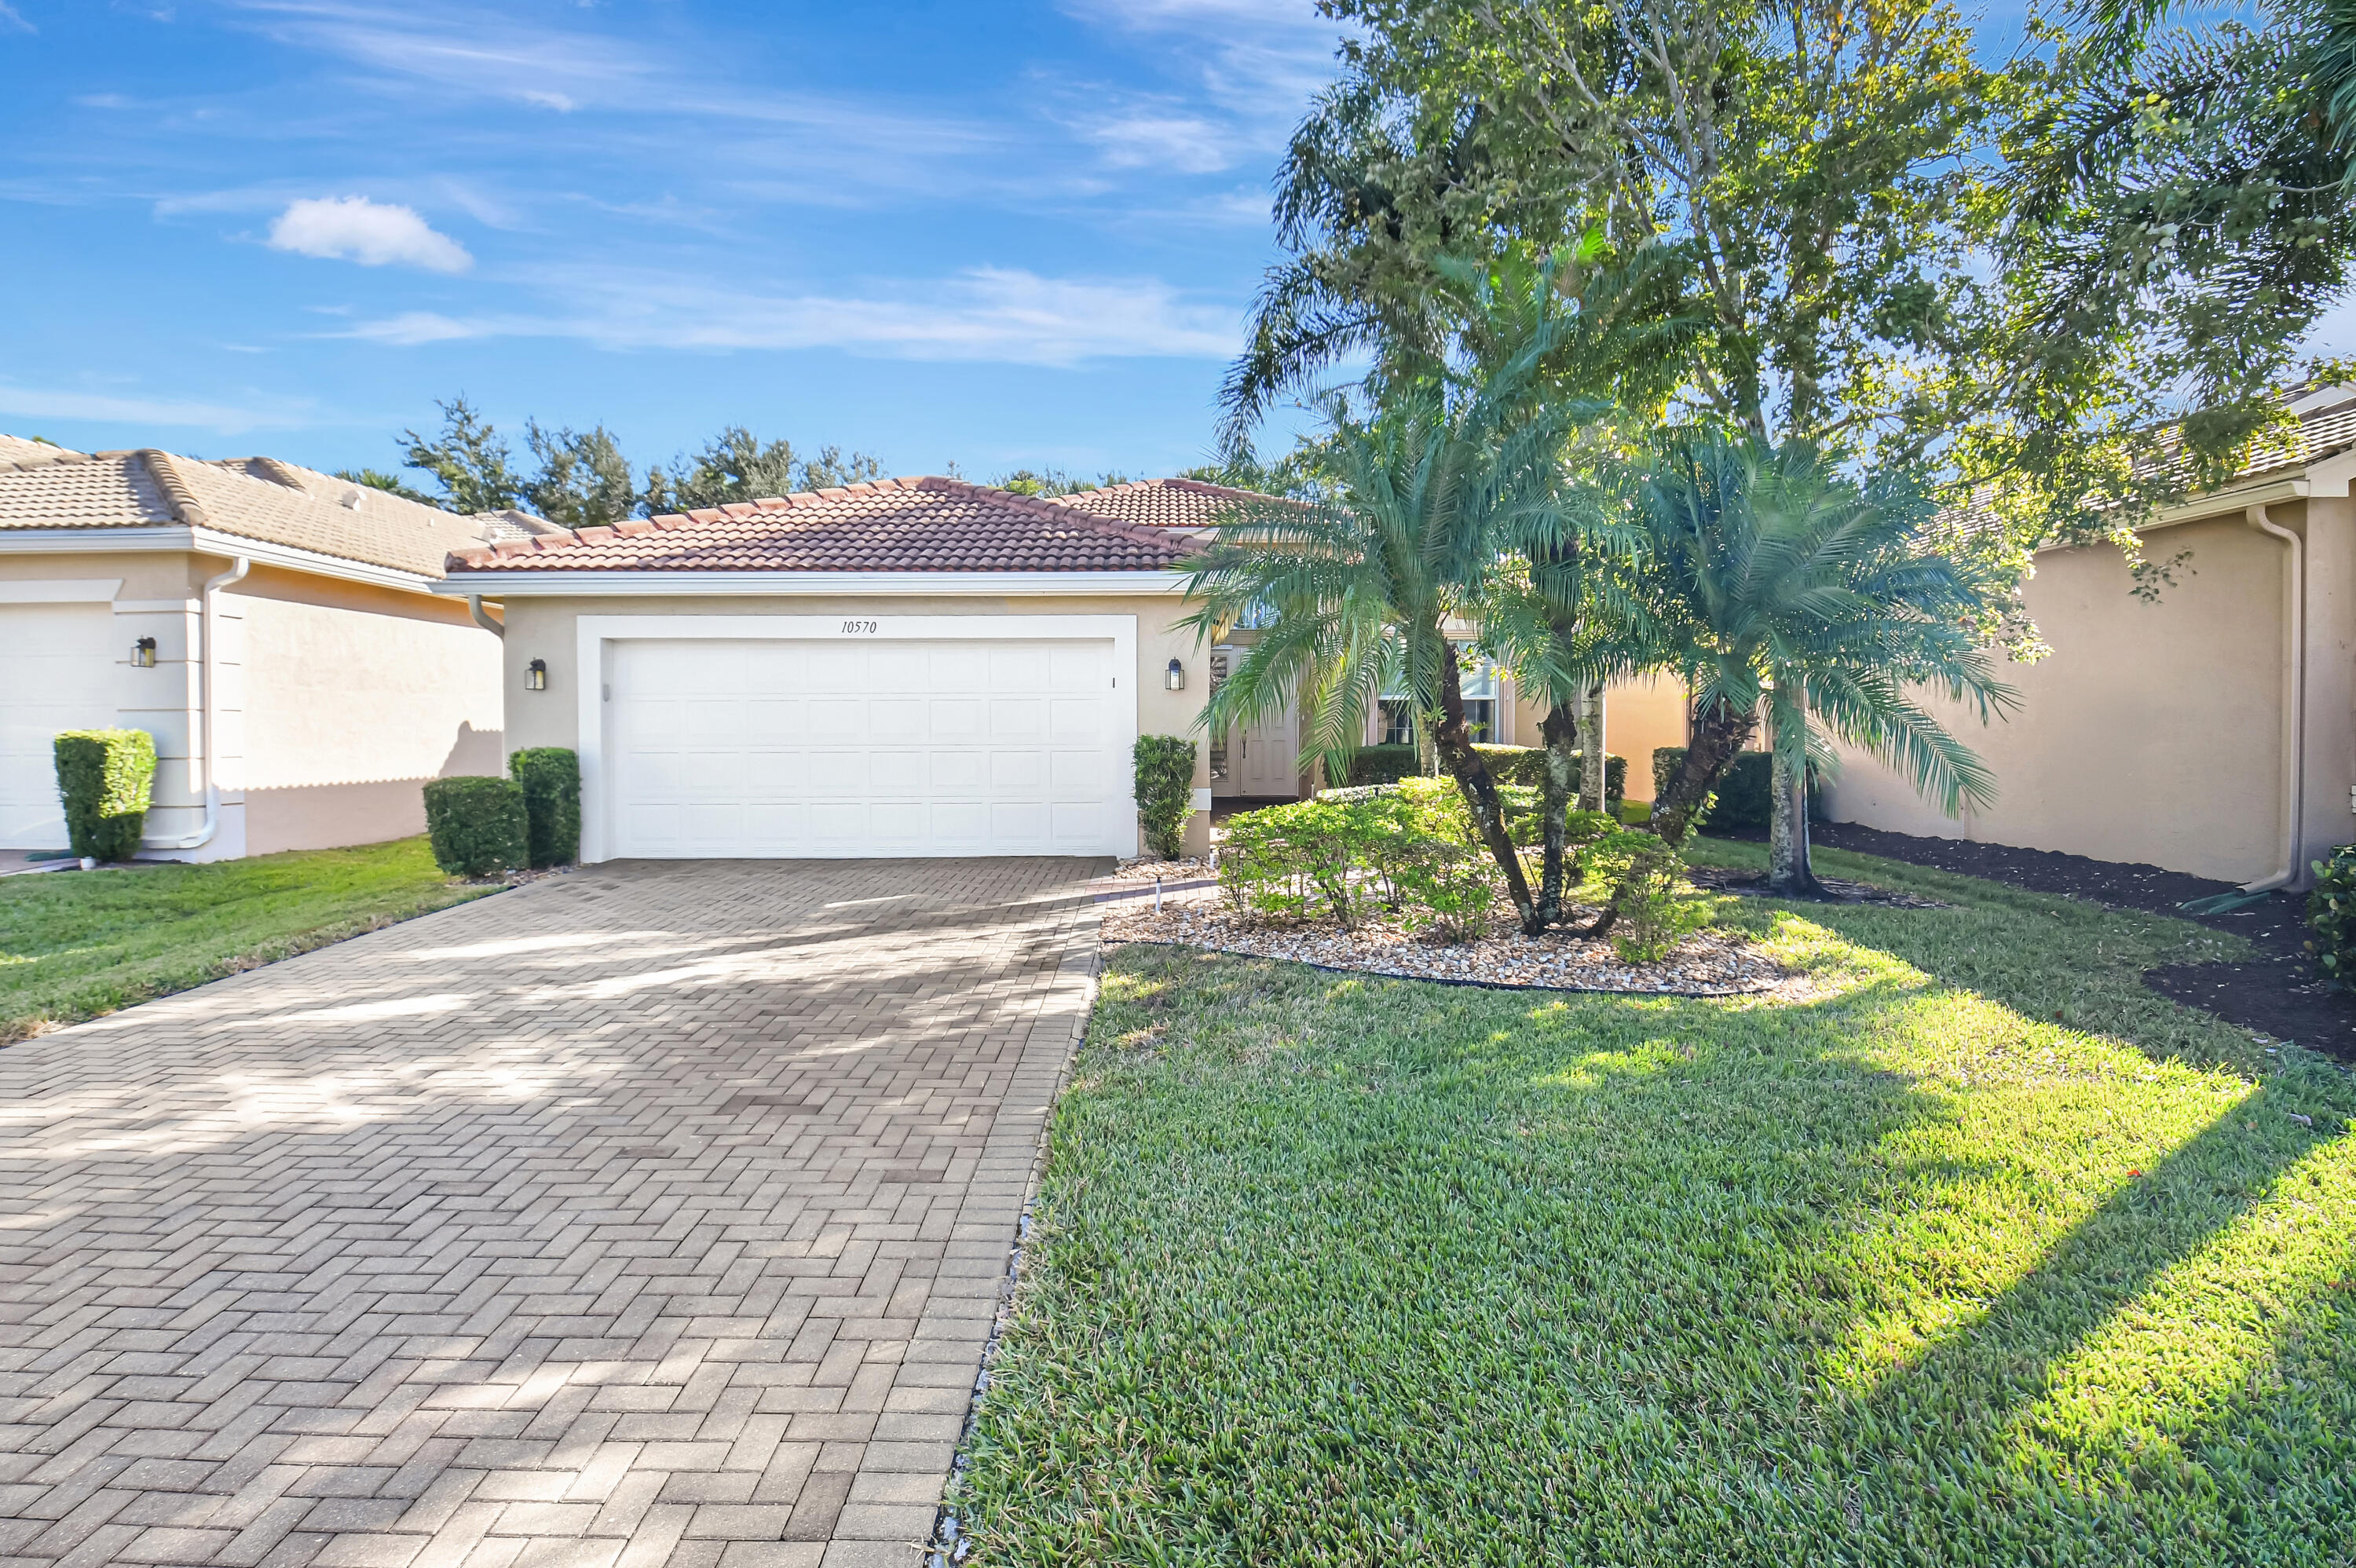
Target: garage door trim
[(594, 632)]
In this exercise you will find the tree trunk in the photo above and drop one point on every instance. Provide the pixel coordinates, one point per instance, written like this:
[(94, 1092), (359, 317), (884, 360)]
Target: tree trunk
[(1560, 733), (1719, 734), (1593, 785), (1453, 739), (1427, 757), (1788, 871)]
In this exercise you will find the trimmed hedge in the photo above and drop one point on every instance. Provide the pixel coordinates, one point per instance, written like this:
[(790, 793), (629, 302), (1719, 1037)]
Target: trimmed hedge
[(1745, 794), (2332, 916), (477, 826), (550, 777), (1164, 790), (1508, 765), (104, 779)]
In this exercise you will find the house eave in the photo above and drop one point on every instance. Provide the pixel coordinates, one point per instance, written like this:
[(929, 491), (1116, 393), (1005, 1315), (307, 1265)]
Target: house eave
[(497, 584), (207, 542)]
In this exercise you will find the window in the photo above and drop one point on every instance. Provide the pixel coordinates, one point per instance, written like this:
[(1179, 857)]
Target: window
[(1220, 738), (1481, 718), (1479, 682), (1399, 721)]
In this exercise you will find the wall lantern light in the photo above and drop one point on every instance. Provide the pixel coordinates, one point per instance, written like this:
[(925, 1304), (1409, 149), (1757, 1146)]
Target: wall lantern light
[(1176, 678), (142, 652), (535, 676)]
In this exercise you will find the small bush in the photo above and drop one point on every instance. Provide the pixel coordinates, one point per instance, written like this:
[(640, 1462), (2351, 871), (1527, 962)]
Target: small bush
[(105, 777), (550, 777), (1645, 878), (2332, 916), (1635, 812), (477, 826), (1164, 790), (1507, 764), (1745, 799)]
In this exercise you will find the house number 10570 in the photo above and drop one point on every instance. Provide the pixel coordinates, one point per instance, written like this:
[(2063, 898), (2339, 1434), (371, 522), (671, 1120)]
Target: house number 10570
[(859, 628)]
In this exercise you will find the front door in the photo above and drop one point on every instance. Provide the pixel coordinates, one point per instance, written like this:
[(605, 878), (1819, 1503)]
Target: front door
[(1270, 764)]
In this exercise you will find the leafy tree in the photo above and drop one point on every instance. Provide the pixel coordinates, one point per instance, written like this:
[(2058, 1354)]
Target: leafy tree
[(583, 478), (375, 479), (1360, 591), (1772, 582), (1055, 482), (468, 460), (736, 465)]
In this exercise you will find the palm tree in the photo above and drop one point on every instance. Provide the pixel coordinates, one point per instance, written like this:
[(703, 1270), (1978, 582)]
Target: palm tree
[(1772, 582), (1361, 589)]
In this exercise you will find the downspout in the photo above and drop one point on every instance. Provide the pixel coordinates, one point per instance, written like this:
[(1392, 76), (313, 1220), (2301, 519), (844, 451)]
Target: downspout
[(475, 608), (2295, 790), (210, 709)]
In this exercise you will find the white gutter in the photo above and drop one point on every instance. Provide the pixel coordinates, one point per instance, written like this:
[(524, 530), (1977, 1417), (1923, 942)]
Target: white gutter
[(206, 668), (2295, 788), (207, 541), (493, 584), (475, 608)]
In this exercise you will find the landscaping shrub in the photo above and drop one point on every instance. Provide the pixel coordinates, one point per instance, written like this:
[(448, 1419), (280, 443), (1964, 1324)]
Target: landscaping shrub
[(1745, 798), (2331, 916), (477, 826), (1507, 764), (550, 777), (1648, 876), (1164, 790), (103, 780)]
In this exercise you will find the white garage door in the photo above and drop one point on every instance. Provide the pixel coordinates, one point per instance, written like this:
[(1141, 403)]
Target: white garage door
[(785, 749), (57, 672)]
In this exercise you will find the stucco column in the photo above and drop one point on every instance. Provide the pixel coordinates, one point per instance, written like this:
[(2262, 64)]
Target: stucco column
[(2331, 717)]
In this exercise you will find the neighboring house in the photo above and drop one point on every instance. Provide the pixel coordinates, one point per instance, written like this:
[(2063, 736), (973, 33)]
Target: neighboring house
[(912, 666), (273, 627), (2213, 732)]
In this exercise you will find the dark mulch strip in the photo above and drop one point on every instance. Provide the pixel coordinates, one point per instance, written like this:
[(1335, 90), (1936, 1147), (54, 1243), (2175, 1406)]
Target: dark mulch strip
[(2278, 995), (1753, 884)]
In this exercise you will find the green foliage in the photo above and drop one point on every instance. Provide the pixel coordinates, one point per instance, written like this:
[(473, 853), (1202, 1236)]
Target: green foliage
[(736, 465), (478, 826), (584, 481), (2332, 916), (1164, 790), (1337, 1269), (1055, 482), (104, 779), (74, 948), (1507, 764), (551, 779), (1643, 879), (1383, 764), (468, 459), (1745, 799)]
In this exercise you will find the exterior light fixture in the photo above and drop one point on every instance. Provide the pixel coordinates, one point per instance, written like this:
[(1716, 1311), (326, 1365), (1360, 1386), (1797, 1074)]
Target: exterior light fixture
[(535, 676), (142, 652), (1176, 678)]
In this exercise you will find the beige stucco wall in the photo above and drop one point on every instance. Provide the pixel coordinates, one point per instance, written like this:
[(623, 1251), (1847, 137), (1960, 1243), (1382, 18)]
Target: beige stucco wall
[(354, 696), (546, 629), (2153, 732), (1639, 716), (335, 701)]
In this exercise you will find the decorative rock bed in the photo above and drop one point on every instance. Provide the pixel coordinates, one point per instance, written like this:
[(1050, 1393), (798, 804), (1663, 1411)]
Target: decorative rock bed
[(1707, 964)]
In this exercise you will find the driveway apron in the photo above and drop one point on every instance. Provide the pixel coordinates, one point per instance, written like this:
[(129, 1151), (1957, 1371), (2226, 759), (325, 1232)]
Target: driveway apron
[(652, 1214)]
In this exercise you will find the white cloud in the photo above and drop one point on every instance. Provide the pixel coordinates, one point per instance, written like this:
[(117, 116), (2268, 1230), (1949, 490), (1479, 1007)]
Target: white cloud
[(8, 17), (988, 314), (39, 403), (1186, 142), (354, 229)]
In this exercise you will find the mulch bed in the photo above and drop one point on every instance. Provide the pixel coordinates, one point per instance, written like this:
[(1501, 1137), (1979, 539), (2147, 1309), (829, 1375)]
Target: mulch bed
[(1707, 964), (1753, 885), (2276, 995)]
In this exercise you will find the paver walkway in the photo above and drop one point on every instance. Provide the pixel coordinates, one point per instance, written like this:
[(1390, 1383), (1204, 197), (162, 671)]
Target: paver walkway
[(650, 1214)]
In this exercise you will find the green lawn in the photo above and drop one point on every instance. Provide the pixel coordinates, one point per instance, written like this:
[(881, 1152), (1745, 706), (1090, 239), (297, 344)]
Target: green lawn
[(77, 943), (1336, 1270)]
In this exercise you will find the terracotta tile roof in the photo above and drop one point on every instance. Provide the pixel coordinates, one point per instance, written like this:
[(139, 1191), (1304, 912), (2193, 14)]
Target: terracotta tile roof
[(258, 499), (1167, 503), (890, 525)]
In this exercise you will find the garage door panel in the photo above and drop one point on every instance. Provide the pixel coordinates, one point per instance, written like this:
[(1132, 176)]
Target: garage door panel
[(60, 662), (781, 748)]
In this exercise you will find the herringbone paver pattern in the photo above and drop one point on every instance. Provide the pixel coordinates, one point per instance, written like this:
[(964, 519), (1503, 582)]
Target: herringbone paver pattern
[(652, 1214)]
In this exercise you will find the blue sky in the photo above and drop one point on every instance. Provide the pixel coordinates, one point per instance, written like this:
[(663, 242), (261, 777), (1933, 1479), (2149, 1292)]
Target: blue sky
[(994, 232)]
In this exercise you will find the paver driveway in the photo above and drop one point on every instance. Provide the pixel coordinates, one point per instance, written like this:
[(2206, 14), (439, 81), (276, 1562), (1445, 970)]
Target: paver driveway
[(649, 1214)]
